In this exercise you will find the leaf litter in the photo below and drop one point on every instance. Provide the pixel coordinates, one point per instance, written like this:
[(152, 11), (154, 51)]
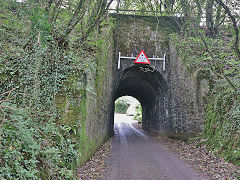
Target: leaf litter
[(96, 167), (202, 160)]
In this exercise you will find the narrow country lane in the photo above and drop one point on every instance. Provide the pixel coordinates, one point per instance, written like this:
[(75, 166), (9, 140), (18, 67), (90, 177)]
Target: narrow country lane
[(138, 156)]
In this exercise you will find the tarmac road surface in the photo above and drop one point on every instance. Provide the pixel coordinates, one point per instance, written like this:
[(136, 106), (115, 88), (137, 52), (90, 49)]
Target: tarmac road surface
[(138, 156)]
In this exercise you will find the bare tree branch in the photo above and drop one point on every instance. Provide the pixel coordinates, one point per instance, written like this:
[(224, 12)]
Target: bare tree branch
[(56, 11), (212, 62), (235, 26), (99, 13), (3, 116), (49, 5), (9, 92)]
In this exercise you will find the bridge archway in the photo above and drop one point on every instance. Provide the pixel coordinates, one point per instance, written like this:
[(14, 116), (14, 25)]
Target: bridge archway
[(149, 87)]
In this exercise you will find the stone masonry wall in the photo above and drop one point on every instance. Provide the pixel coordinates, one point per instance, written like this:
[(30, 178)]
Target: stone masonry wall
[(99, 92), (88, 102), (180, 112), (86, 99), (186, 96)]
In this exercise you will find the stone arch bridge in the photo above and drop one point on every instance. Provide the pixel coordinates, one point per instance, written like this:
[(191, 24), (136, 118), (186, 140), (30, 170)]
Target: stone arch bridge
[(171, 98)]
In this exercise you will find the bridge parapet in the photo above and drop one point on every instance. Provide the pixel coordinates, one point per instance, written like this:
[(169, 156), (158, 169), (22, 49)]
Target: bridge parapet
[(151, 34)]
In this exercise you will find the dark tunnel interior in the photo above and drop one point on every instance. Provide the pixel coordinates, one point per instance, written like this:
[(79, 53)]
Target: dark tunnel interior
[(147, 86)]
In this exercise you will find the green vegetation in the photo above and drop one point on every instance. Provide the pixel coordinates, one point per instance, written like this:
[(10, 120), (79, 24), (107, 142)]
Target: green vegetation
[(138, 115), (45, 54), (210, 51), (121, 106), (208, 44), (222, 102), (47, 49)]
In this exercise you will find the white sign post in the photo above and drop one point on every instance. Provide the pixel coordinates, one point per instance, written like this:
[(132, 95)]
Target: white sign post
[(142, 59)]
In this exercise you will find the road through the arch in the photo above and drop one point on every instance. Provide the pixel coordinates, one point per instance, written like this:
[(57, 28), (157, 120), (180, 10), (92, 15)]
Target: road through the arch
[(138, 156)]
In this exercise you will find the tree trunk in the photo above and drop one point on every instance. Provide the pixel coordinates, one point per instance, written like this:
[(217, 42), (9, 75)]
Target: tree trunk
[(199, 13), (217, 21), (209, 18)]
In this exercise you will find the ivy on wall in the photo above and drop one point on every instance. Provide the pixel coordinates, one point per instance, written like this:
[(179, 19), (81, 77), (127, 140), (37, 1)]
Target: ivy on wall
[(42, 96), (222, 105)]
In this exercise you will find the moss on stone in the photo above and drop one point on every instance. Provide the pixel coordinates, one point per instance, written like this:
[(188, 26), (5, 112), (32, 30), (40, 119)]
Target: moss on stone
[(166, 24), (220, 105), (70, 105)]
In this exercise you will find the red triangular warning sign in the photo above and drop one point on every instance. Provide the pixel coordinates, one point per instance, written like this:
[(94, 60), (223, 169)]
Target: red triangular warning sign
[(142, 58)]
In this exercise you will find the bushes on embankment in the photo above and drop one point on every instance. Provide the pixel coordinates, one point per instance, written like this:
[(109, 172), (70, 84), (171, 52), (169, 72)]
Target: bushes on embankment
[(222, 102), (121, 106), (42, 92)]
